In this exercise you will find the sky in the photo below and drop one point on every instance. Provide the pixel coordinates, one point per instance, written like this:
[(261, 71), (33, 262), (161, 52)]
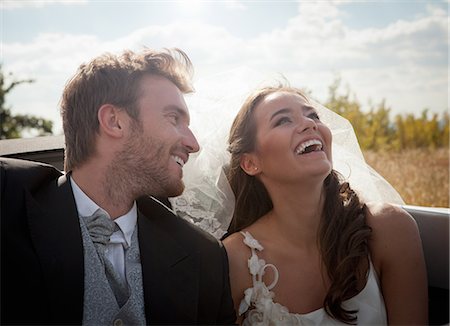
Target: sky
[(392, 51)]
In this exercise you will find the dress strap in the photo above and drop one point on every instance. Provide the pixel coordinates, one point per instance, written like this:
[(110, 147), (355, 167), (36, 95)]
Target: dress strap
[(259, 292), (251, 242), (256, 265)]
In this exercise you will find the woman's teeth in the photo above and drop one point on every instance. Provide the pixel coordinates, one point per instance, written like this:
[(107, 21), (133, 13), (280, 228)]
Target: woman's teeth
[(306, 146)]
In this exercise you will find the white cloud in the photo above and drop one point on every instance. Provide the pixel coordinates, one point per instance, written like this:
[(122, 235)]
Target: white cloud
[(236, 5), (398, 62), (52, 58), (404, 62), (18, 4)]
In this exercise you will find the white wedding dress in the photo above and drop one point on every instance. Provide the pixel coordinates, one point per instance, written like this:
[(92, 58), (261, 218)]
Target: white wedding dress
[(259, 308), (208, 200)]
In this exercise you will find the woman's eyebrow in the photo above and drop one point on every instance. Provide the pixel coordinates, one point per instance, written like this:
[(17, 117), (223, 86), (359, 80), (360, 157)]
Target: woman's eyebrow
[(305, 108), (309, 108), (281, 111)]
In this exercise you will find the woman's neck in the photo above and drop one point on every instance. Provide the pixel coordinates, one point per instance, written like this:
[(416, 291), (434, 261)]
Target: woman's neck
[(297, 212)]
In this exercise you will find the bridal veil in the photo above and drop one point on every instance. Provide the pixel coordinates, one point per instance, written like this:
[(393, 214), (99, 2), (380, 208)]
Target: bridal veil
[(208, 200)]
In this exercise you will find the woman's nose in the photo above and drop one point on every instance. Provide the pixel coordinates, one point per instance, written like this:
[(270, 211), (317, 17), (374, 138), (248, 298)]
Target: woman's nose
[(306, 123)]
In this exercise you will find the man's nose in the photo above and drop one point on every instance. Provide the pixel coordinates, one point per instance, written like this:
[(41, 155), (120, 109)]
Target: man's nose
[(191, 142)]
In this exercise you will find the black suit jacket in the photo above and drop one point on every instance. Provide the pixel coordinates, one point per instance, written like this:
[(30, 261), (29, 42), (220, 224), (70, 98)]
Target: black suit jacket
[(185, 270)]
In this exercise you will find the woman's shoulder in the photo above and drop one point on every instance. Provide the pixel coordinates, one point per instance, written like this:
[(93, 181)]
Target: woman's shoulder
[(238, 256), (238, 252), (388, 217), (240, 242), (394, 232), (234, 242)]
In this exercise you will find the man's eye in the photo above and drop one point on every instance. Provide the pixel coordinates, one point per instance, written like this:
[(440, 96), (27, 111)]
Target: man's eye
[(173, 118)]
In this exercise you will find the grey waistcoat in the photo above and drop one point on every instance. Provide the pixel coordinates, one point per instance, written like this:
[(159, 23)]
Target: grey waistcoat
[(100, 305)]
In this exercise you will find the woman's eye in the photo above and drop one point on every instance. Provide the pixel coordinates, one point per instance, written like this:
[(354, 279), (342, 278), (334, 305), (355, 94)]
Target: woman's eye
[(314, 116), (282, 121)]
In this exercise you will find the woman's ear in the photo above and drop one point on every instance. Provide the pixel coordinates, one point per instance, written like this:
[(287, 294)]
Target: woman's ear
[(250, 164), (111, 120)]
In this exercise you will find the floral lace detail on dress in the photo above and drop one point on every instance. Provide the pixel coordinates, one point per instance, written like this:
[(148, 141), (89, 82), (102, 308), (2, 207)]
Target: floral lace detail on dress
[(257, 306), (259, 309)]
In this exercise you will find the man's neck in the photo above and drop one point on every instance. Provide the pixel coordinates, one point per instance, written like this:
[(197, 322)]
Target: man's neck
[(100, 189)]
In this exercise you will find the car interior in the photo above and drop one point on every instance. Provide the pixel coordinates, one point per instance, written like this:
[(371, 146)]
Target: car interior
[(433, 223)]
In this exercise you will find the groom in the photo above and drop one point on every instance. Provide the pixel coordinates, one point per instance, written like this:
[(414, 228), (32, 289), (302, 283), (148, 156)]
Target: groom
[(94, 246)]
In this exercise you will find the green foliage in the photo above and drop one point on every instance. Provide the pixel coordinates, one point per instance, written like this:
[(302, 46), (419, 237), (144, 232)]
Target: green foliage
[(424, 131), (12, 126), (376, 131)]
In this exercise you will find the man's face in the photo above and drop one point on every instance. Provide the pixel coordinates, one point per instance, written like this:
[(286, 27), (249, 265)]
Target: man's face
[(159, 144)]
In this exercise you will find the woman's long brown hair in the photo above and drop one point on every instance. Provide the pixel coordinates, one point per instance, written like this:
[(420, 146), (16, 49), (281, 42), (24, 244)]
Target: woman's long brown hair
[(343, 233)]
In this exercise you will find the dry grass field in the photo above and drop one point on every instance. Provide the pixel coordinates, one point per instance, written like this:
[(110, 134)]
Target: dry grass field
[(420, 176)]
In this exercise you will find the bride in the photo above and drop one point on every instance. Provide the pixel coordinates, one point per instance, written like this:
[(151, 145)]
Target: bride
[(303, 246)]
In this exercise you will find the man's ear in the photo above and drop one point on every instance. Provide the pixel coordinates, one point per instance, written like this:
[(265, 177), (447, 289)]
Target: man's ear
[(250, 164), (111, 120)]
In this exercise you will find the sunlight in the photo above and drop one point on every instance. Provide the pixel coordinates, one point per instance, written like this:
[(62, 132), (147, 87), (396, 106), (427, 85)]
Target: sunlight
[(192, 6)]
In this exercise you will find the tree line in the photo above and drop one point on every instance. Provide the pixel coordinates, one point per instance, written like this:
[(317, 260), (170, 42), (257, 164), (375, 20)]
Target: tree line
[(14, 125), (376, 130)]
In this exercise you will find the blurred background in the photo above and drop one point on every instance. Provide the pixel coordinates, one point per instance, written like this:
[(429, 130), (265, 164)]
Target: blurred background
[(381, 64)]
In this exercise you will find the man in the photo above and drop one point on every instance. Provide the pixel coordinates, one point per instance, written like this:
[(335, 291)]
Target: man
[(127, 135)]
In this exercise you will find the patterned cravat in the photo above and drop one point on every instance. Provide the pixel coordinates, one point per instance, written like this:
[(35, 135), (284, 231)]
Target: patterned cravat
[(100, 228)]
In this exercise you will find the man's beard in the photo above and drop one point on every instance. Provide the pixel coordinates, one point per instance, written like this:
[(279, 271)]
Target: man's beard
[(139, 170)]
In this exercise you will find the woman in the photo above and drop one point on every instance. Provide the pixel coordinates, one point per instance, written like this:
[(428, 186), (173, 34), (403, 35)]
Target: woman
[(303, 248)]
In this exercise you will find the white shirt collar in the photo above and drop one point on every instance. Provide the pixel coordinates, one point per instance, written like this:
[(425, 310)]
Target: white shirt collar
[(86, 207)]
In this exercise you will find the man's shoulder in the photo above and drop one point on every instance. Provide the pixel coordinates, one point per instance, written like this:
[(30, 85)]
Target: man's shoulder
[(25, 174), (162, 216), (14, 164)]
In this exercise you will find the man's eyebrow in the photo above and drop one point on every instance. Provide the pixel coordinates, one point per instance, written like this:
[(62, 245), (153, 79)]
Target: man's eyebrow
[(281, 111)]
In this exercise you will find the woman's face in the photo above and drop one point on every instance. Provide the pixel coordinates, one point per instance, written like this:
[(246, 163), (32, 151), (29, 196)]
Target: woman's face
[(291, 141)]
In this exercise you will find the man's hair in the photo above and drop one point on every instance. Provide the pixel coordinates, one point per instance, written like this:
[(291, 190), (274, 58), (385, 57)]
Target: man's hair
[(113, 79)]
